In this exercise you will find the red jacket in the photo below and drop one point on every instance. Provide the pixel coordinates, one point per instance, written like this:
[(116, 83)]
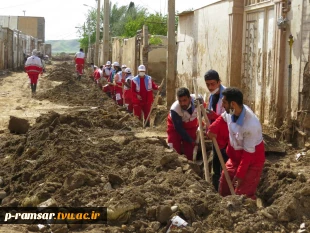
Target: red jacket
[(119, 80), (220, 128), (144, 87), (97, 74)]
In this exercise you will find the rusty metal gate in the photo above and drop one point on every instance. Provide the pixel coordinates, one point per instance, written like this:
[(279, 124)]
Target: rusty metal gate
[(258, 58)]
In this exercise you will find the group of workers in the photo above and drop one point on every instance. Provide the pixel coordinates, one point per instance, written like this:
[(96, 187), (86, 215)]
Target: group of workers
[(237, 130), (235, 127), (120, 84)]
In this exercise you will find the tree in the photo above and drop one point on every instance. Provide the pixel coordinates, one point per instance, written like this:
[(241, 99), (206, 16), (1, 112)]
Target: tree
[(124, 22)]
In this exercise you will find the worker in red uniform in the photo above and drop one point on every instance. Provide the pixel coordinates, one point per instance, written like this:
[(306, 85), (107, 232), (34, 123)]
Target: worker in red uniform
[(107, 72), (33, 67), (215, 109), (142, 87), (182, 123), (79, 59), (96, 75), (245, 146), (119, 80), (127, 90)]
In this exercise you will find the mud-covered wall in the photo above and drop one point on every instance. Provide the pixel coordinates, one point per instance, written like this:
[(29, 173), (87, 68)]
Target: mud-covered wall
[(126, 51), (301, 89), (9, 22), (157, 66), (202, 44), (116, 50), (34, 26), (129, 54)]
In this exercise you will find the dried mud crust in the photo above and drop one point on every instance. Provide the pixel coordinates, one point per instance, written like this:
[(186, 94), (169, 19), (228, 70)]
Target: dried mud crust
[(90, 157)]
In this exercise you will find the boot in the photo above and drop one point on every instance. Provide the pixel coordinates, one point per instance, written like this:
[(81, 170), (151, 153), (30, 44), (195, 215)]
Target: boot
[(31, 86), (34, 87)]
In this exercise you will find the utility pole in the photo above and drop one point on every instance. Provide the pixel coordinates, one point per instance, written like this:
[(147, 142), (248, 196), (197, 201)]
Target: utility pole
[(170, 76), (289, 92), (96, 59), (106, 32)]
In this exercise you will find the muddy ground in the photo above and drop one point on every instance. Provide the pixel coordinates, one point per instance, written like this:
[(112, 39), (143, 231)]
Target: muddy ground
[(83, 150)]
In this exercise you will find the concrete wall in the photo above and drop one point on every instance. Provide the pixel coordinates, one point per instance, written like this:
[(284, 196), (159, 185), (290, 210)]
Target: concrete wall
[(34, 26), (14, 45), (2, 39), (157, 60), (117, 50), (300, 29), (48, 50), (9, 22), (129, 54), (202, 44)]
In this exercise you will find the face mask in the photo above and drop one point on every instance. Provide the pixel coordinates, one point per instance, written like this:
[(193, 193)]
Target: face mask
[(123, 69), (141, 73), (231, 110), (214, 92)]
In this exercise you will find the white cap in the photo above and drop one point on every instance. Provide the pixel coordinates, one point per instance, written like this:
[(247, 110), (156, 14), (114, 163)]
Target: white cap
[(141, 68), (108, 63), (124, 66), (34, 52), (128, 70), (115, 63)]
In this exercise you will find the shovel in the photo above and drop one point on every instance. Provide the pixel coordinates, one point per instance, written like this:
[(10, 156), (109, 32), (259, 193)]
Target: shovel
[(154, 104), (203, 144), (219, 154)]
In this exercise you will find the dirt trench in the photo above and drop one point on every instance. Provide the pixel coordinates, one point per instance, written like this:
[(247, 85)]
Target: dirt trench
[(90, 152)]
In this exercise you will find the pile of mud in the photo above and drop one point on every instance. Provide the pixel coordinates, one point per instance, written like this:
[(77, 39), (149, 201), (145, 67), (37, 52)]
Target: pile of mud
[(63, 72), (71, 91), (91, 157), (73, 161)]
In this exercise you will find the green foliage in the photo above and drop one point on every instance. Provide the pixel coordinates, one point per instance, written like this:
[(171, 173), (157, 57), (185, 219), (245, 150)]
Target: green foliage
[(157, 24), (125, 21), (155, 40)]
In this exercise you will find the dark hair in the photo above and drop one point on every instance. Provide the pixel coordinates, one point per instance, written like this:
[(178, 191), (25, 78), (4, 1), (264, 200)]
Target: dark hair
[(233, 94), (212, 75), (81, 50), (183, 92)]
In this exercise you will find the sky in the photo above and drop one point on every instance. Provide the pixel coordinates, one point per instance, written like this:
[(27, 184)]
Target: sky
[(63, 16)]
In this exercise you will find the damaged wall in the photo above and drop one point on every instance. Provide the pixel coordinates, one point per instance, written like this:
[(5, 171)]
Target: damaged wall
[(202, 44), (158, 60), (303, 94), (126, 51)]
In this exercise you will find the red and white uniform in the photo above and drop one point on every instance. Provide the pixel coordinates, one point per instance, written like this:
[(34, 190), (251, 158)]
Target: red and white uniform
[(97, 75), (79, 62), (107, 72), (245, 151), (127, 94), (189, 124), (119, 80), (33, 67), (143, 87)]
